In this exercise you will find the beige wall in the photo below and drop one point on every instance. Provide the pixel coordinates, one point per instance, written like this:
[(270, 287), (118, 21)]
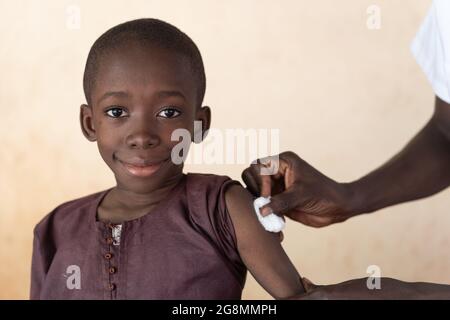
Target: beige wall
[(344, 97)]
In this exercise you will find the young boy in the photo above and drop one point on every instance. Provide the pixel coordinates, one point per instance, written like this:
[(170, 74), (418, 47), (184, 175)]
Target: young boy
[(159, 233)]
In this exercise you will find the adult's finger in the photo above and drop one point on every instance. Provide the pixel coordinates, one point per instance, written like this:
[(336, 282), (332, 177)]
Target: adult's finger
[(266, 186), (257, 183), (281, 236), (250, 181), (281, 203), (309, 220)]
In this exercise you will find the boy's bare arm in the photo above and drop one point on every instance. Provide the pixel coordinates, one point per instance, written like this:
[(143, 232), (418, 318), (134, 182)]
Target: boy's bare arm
[(260, 250)]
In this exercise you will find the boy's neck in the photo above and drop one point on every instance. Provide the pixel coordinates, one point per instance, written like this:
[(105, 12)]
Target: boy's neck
[(121, 204)]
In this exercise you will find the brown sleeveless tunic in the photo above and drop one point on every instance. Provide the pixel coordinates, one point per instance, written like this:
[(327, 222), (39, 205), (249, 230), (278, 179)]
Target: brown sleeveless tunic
[(183, 249)]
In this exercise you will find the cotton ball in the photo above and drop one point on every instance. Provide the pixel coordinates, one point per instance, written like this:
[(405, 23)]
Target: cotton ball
[(271, 222)]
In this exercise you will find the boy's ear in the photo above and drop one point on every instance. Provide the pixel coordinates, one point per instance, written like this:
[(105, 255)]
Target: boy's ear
[(86, 122), (203, 115)]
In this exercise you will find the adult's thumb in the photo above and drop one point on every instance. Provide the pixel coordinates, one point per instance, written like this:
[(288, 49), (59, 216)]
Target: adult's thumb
[(280, 203)]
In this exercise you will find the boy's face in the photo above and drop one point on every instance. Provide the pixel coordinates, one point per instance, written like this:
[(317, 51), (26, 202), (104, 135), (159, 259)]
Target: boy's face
[(140, 96)]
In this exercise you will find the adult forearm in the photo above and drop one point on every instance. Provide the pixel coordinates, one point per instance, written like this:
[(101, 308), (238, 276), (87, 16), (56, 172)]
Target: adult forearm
[(421, 169), (390, 289)]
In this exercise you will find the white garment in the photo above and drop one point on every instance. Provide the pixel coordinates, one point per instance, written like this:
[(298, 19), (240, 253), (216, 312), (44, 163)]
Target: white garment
[(431, 48)]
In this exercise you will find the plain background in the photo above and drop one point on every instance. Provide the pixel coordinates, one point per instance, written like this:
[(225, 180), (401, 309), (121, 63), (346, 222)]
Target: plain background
[(345, 98)]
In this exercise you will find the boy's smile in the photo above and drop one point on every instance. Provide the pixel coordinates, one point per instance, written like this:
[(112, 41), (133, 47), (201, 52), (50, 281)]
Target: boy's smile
[(142, 168), (141, 95)]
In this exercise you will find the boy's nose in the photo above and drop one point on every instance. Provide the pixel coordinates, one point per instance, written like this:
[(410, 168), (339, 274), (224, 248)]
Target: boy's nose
[(143, 140)]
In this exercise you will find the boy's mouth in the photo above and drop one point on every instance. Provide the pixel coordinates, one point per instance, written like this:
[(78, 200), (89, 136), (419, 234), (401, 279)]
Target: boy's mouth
[(142, 169)]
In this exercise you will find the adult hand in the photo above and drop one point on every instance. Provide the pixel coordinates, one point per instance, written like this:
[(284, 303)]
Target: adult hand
[(389, 289), (300, 192)]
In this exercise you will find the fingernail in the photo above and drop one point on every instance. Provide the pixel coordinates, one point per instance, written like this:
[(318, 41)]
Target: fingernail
[(265, 211)]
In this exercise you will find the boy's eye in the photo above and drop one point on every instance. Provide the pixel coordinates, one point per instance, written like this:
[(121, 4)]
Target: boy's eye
[(114, 112), (169, 113)]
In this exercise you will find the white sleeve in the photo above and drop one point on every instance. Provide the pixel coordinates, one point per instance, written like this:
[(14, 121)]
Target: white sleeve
[(431, 48)]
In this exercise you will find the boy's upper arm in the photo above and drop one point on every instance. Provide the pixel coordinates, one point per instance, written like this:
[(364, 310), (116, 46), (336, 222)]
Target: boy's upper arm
[(260, 250)]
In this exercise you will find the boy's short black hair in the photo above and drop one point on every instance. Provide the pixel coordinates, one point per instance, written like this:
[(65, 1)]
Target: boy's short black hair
[(145, 31)]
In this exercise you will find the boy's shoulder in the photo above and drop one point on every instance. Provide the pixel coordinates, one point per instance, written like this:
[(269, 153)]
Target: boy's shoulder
[(207, 176), (208, 181), (69, 212)]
